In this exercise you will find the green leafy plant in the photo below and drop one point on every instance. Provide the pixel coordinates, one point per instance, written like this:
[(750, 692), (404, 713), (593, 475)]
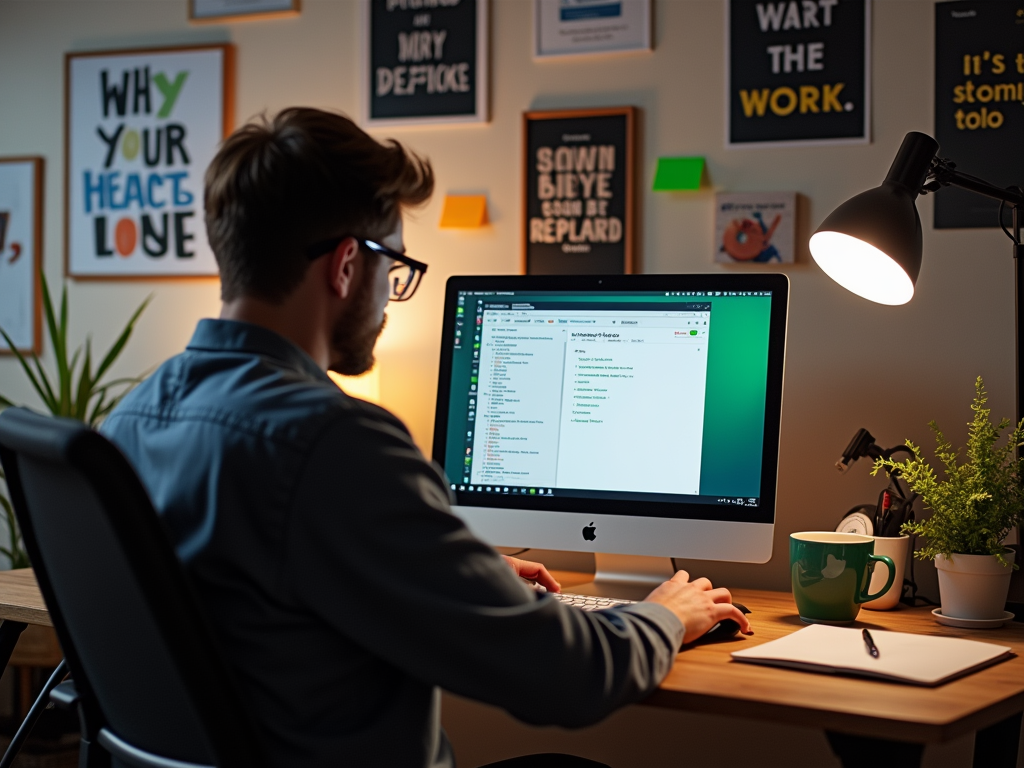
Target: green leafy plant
[(980, 500), (76, 391), (16, 551)]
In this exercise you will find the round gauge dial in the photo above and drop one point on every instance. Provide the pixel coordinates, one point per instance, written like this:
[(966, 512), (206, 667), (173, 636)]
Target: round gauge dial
[(858, 522)]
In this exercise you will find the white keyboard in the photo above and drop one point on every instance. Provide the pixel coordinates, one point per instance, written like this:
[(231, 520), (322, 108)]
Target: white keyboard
[(589, 602)]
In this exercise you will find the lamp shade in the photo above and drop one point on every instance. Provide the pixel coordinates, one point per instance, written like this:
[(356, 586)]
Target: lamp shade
[(871, 244)]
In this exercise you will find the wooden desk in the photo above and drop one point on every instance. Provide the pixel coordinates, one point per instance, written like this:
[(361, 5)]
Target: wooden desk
[(859, 716), (20, 599), (26, 630), (865, 719)]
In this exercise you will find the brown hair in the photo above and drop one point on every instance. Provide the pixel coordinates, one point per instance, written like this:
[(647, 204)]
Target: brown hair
[(277, 186)]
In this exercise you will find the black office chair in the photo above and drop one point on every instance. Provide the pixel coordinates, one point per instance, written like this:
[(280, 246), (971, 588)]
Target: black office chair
[(150, 685)]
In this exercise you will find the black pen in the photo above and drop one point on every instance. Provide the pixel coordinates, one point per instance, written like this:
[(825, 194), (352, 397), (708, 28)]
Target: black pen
[(872, 648)]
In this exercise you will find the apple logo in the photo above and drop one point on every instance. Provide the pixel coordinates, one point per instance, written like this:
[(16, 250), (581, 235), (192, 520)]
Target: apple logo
[(833, 568), (589, 532)]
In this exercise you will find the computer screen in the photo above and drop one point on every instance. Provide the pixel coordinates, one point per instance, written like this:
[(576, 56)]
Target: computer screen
[(640, 398)]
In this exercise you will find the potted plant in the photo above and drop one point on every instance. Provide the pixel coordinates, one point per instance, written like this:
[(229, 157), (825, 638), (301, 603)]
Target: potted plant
[(76, 391), (973, 510)]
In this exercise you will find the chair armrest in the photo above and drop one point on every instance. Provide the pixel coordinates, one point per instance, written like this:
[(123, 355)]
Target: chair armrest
[(65, 695)]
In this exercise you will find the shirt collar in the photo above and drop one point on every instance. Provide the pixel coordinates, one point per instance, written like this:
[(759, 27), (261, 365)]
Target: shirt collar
[(216, 335)]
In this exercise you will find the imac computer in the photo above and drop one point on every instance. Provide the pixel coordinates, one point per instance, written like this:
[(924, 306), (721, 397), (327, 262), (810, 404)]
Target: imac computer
[(632, 416)]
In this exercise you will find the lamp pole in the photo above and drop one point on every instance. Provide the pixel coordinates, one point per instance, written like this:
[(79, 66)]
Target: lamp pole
[(943, 173)]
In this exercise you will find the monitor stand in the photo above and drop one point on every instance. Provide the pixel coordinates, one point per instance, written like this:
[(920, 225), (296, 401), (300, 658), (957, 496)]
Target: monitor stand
[(631, 577)]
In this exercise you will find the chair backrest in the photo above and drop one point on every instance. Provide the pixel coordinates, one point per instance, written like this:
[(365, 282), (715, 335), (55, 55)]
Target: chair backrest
[(139, 649)]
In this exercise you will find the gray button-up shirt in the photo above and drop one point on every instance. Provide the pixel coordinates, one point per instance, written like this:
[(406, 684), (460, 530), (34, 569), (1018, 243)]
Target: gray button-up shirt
[(342, 589)]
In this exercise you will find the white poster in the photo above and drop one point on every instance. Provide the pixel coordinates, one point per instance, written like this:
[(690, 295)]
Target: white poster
[(229, 10), (573, 27), (142, 128), (19, 251)]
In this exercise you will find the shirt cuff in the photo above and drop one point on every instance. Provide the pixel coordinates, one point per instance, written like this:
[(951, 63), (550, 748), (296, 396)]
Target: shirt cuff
[(662, 618)]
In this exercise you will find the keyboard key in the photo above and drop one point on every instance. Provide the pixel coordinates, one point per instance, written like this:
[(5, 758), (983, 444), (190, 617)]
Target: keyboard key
[(589, 602)]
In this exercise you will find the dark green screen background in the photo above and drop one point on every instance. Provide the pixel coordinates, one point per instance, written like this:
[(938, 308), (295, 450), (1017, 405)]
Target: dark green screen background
[(734, 405), (734, 402)]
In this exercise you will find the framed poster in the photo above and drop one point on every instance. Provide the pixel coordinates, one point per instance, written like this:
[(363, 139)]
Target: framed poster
[(424, 63), (577, 27), (979, 92), (797, 72), (141, 127), (755, 227), (579, 191), (21, 252), (241, 10)]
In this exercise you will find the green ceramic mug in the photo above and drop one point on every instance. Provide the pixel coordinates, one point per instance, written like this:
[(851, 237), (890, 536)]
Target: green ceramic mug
[(831, 573)]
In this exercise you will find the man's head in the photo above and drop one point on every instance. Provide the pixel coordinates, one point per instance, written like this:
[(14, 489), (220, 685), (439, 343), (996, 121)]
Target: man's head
[(279, 187)]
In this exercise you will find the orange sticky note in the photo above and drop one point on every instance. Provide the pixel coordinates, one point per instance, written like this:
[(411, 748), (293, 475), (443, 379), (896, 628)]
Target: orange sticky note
[(464, 211)]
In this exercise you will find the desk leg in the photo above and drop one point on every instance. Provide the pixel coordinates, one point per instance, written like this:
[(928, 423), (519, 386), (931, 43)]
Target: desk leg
[(10, 631), (862, 752), (29, 722), (997, 745)]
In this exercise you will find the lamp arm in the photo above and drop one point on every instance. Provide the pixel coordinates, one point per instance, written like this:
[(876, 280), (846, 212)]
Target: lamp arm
[(943, 173)]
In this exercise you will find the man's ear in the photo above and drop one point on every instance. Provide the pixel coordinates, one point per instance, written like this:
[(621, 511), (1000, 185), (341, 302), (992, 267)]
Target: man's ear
[(342, 267)]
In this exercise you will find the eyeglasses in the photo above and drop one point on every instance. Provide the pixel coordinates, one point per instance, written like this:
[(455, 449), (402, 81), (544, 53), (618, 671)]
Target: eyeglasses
[(403, 277)]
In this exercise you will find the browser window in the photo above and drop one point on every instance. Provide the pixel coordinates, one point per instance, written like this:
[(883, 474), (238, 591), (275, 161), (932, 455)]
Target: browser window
[(590, 397)]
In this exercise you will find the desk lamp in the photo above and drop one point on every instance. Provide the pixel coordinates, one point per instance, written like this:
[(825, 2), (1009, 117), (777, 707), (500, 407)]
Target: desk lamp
[(871, 244)]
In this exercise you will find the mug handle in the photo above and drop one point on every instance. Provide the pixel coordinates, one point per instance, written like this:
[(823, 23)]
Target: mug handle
[(862, 598)]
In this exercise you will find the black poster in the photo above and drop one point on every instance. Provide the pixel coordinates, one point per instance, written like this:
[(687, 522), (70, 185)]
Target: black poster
[(426, 61), (579, 192), (979, 103), (798, 71)]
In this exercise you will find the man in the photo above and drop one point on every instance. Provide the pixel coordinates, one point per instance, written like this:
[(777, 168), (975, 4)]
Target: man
[(341, 587)]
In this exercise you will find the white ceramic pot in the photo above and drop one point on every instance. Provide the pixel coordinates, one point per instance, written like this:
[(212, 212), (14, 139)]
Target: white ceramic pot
[(896, 547), (974, 586)]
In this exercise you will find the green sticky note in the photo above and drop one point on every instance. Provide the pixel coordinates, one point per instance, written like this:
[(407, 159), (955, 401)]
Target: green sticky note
[(678, 173)]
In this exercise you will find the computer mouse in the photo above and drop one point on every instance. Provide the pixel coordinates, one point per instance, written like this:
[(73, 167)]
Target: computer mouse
[(723, 630)]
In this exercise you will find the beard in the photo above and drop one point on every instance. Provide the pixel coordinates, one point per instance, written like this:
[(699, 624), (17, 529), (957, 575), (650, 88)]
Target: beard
[(355, 335)]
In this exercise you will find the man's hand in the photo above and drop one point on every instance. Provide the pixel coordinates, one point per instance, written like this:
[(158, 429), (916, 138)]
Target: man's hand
[(697, 605), (533, 572)]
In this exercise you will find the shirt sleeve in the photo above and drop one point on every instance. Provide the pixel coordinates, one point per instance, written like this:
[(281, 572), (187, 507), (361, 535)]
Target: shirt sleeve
[(374, 550)]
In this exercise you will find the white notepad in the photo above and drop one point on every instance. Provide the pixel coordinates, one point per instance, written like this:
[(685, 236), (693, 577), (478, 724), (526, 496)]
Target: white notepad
[(903, 657)]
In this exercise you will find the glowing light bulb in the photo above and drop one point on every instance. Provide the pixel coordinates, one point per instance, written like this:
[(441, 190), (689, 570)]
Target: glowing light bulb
[(861, 268)]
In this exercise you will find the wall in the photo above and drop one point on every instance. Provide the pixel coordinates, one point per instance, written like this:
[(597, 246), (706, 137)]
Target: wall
[(849, 364)]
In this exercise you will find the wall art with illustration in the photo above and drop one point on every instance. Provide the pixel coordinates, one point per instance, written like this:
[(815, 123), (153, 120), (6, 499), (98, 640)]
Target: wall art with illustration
[(755, 227)]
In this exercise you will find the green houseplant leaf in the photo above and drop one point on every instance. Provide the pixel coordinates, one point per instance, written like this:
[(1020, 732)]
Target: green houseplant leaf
[(76, 391), (980, 500), (16, 551)]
